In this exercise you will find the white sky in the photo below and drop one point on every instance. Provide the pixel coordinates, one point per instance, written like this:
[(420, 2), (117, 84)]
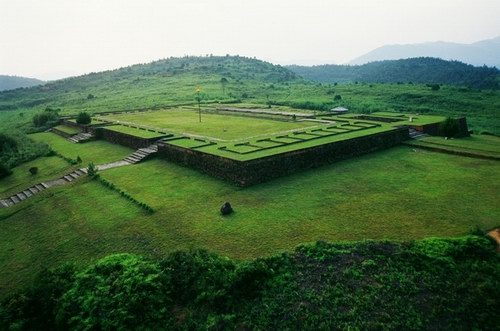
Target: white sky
[(54, 38)]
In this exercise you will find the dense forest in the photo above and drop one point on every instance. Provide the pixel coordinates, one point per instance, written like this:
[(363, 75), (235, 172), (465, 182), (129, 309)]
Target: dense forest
[(433, 284), (424, 70), (14, 82)]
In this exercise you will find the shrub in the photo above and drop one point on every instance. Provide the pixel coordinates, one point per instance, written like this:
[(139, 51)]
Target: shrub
[(47, 118), (92, 169), (33, 170), (7, 143), (337, 97), (83, 118), (4, 170), (78, 159)]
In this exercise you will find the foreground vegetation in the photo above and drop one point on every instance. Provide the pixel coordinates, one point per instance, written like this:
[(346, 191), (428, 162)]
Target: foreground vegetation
[(365, 285)]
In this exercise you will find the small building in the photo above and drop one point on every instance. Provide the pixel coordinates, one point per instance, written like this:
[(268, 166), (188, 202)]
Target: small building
[(339, 110)]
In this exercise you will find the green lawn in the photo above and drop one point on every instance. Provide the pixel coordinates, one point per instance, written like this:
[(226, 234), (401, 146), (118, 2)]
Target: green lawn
[(48, 168), (98, 151), (393, 194), (134, 131), (476, 144), (225, 127)]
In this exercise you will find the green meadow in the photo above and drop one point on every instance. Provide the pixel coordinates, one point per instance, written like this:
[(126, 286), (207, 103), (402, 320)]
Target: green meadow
[(390, 194)]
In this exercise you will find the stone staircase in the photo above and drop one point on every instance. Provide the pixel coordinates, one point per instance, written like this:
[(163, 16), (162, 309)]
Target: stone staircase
[(37, 188), (414, 134), (18, 197), (74, 175), (81, 137), (141, 154)]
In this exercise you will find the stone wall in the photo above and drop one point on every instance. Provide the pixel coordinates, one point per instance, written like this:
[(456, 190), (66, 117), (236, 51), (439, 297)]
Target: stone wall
[(434, 129), (245, 173), (123, 138)]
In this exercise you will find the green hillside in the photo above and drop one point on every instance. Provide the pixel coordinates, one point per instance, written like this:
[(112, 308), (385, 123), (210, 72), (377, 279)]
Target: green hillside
[(416, 70), (174, 81)]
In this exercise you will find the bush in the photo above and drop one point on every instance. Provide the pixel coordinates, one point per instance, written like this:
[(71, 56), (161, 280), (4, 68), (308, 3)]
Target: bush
[(48, 118), (33, 170), (337, 97), (7, 143), (4, 171), (83, 118), (92, 170)]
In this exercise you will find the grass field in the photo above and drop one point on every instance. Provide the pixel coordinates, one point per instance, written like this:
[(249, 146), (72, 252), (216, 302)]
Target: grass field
[(224, 127), (48, 168), (390, 194)]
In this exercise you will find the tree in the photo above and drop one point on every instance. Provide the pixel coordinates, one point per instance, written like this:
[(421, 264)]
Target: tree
[(338, 97), (223, 82), (83, 118)]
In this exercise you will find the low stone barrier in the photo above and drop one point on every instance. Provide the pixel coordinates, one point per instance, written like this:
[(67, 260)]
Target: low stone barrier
[(125, 139), (246, 173)]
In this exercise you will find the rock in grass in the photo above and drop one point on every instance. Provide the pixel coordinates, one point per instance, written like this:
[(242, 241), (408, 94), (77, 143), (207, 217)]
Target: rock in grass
[(226, 208)]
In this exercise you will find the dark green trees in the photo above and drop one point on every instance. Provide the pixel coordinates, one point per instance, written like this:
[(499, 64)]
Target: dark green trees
[(83, 118)]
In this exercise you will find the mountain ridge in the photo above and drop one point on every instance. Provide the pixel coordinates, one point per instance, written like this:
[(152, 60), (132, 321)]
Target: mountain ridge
[(424, 70), (484, 52)]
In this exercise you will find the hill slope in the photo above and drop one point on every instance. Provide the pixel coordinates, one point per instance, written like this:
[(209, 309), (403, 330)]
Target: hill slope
[(416, 70), (14, 82), (169, 80), (486, 52)]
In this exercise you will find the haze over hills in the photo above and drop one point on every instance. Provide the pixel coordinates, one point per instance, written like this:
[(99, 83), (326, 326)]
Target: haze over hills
[(415, 70), (485, 52), (13, 82)]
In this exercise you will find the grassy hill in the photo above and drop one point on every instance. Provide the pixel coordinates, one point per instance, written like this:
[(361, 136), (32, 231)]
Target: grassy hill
[(174, 81), (14, 82), (416, 70)]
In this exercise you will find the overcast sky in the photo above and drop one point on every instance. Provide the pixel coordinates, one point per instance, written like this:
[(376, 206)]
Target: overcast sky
[(55, 38)]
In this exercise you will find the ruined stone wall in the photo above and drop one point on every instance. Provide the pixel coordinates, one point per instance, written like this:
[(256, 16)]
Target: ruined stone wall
[(245, 173)]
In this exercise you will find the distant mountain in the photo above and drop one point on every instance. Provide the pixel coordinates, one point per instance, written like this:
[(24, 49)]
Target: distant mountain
[(486, 52), (416, 70), (13, 82)]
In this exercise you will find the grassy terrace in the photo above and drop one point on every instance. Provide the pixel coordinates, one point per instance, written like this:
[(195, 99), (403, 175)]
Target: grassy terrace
[(98, 151), (134, 131), (403, 119), (257, 148), (223, 127), (476, 144), (67, 129), (244, 137), (48, 168)]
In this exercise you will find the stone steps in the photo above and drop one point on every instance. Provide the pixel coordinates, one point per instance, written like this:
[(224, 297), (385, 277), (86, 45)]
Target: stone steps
[(37, 188), (141, 154), (23, 195), (414, 134), (81, 137)]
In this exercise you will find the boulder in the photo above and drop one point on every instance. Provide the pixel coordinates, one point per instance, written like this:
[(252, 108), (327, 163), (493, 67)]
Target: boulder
[(226, 208)]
